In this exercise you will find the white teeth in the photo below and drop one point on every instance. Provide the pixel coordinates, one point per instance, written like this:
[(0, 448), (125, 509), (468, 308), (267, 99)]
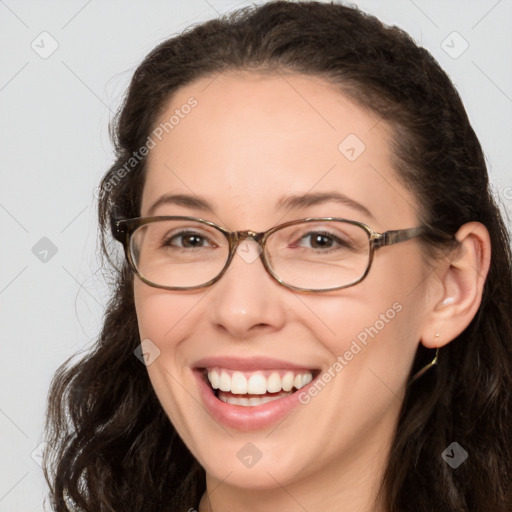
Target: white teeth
[(306, 379), (238, 383), (256, 383), (214, 379), (287, 382), (274, 383), (224, 382), (251, 402)]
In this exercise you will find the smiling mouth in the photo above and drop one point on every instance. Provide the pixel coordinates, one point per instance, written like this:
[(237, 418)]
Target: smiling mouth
[(251, 389)]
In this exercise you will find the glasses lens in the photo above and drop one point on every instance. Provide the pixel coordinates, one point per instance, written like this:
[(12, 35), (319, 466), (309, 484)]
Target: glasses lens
[(178, 253), (319, 255)]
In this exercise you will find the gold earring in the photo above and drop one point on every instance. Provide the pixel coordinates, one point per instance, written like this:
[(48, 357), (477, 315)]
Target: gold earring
[(429, 365)]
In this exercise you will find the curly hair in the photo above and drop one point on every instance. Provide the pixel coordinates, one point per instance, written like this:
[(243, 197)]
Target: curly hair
[(111, 445)]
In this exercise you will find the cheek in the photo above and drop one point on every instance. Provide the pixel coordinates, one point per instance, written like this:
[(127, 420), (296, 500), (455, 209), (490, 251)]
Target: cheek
[(354, 323), (163, 315), (370, 330), (165, 319)]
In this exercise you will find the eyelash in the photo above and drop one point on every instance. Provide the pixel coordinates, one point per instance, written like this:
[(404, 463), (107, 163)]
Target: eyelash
[(341, 243)]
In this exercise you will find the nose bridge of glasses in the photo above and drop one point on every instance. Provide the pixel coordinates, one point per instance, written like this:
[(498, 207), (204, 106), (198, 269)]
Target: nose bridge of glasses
[(239, 236)]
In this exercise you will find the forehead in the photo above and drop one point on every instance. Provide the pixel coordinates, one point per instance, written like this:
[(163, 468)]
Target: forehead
[(251, 138)]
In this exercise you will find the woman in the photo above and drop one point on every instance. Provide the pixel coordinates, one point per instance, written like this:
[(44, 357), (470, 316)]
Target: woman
[(313, 309)]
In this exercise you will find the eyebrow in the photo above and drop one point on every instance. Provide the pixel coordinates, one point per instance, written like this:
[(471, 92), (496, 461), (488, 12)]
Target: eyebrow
[(312, 199), (185, 200), (289, 202)]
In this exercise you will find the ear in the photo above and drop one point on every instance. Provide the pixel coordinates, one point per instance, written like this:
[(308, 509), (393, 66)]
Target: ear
[(459, 286)]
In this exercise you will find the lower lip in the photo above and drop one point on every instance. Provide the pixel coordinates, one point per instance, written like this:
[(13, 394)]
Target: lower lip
[(251, 417)]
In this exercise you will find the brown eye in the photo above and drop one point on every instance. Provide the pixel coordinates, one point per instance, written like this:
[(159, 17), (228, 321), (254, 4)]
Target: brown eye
[(186, 239)]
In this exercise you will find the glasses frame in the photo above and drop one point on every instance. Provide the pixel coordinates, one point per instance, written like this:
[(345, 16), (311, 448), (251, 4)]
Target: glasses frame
[(122, 230)]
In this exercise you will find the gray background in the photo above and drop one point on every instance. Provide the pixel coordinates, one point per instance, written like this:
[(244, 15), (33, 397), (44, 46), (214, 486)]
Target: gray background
[(54, 115)]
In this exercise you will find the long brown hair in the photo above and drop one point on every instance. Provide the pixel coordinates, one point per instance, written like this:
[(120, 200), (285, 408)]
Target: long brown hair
[(110, 444)]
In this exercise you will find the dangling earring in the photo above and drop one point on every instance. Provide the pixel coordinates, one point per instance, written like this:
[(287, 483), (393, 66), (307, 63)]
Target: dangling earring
[(429, 365)]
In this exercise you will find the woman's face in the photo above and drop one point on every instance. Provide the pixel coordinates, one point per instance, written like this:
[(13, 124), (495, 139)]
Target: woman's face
[(250, 142)]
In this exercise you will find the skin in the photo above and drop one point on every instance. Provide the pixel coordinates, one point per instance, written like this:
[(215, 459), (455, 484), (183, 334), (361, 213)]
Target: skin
[(251, 140)]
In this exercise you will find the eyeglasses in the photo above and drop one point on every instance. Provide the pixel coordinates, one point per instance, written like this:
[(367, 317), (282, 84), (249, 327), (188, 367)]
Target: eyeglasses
[(316, 254)]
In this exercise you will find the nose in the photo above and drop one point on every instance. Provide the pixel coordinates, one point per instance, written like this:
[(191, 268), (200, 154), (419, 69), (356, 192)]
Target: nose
[(247, 300)]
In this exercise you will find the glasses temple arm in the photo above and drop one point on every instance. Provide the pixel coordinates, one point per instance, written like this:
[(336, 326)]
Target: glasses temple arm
[(399, 235), (117, 230)]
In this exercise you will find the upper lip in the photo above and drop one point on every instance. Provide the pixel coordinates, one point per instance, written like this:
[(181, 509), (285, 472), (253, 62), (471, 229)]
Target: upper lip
[(248, 364)]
